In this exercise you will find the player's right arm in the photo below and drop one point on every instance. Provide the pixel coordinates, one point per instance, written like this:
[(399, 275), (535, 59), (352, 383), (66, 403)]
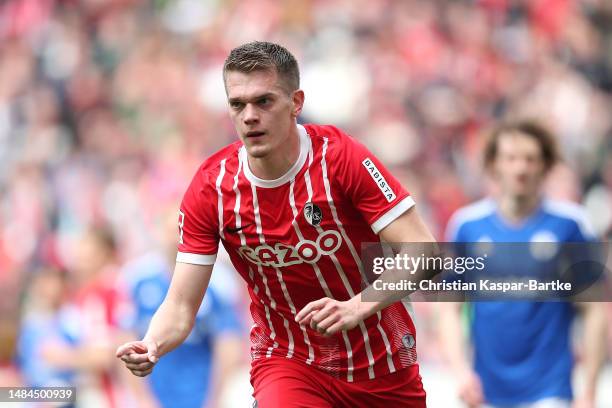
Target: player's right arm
[(198, 224), (172, 322)]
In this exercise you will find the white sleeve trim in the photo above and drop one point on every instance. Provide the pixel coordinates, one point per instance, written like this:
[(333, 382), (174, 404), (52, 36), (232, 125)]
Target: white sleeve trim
[(392, 214), (196, 259)]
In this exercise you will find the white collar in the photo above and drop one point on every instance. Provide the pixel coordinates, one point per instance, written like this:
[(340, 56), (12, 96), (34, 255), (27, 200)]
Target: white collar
[(290, 174)]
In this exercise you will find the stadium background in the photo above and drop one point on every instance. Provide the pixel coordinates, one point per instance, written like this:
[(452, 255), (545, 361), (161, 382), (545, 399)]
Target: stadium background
[(107, 107)]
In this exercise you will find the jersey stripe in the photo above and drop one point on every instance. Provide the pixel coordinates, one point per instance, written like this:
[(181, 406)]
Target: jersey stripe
[(243, 242), (238, 219), (265, 280), (294, 312), (340, 270), (279, 274), (220, 197), (347, 342), (317, 271), (357, 260)]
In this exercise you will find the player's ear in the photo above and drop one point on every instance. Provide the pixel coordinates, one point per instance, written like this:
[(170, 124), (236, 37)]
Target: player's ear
[(298, 102)]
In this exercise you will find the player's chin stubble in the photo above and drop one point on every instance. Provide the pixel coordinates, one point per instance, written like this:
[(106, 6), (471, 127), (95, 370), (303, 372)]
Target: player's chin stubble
[(257, 152)]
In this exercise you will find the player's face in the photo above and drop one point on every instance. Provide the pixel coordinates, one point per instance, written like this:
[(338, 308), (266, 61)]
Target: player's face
[(519, 166), (263, 111)]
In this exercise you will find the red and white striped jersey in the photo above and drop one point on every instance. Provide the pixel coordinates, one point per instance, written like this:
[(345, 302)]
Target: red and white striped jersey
[(297, 239)]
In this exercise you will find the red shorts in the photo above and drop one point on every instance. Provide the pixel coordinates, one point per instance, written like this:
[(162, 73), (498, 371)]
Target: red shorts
[(279, 382)]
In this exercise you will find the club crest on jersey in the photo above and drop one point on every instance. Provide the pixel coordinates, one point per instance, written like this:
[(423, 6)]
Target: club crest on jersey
[(379, 179), (408, 341), (313, 214)]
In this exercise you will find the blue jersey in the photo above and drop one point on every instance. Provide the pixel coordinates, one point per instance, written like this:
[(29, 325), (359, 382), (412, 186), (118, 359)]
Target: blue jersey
[(522, 350), (38, 329), (182, 377)]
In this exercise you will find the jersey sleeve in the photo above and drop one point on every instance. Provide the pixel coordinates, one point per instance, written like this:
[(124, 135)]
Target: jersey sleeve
[(198, 224), (582, 230), (372, 189)]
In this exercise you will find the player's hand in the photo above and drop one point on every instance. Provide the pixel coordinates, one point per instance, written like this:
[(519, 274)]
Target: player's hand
[(139, 356), (329, 316), (470, 389)]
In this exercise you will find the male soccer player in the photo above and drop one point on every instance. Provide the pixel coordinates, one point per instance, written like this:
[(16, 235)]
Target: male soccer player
[(292, 205), (522, 349)]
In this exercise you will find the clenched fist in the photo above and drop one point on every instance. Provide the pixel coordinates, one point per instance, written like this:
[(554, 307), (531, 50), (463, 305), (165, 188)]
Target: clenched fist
[(139, 356)]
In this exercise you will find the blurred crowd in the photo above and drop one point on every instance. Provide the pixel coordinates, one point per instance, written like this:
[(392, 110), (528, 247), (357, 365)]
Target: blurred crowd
[(107, 107)]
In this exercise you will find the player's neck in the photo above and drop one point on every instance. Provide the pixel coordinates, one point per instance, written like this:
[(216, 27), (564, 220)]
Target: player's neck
[(515, 209), (277, 163)]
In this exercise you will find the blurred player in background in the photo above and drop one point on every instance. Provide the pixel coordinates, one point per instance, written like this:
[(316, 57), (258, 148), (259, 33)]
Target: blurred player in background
[(292, 205), (91, 322), (194, 374), (522, 350), (41, 328)]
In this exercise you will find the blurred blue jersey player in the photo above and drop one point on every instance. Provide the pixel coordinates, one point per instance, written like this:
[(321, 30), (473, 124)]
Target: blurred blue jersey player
[(184, 377), (522, 349), (41, 326)]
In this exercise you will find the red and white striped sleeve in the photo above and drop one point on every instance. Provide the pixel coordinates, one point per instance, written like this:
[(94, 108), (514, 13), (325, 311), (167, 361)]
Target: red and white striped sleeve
[(373, 190), (198, 223)]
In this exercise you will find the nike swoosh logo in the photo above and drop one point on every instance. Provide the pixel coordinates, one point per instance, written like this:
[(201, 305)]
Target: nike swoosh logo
[(234, 230)]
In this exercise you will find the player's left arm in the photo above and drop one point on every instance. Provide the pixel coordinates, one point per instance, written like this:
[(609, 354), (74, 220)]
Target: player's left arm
[(329, 316), (593, 350), (408, 235), (389, 210)]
